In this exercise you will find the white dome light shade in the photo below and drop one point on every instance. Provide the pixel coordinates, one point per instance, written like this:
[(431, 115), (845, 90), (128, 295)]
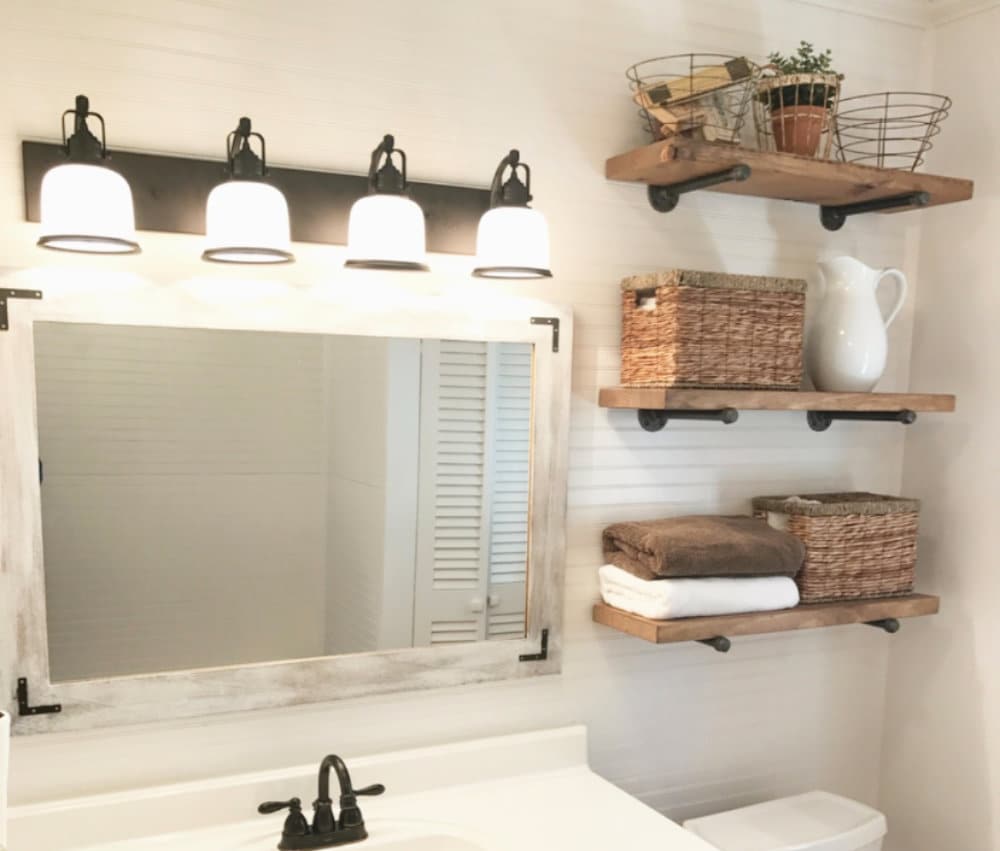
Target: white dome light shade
[(512, 242), (87, 208), (246, 221), (386, 231)]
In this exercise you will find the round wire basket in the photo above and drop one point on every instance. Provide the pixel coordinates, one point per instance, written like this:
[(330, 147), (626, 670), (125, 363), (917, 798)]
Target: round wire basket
[(702, 96), (889, 129), (793, 113)]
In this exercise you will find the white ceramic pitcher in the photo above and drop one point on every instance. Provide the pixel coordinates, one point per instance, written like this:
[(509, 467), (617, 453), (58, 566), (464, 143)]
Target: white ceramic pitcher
[(848, 344)]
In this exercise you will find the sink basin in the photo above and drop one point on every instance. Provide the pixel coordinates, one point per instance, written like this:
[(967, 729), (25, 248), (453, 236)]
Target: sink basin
[(456, 797)]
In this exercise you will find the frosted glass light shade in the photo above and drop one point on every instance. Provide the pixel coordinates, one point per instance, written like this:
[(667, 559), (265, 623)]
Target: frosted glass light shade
[(386, 232), (512, 242), (246, 221), (87, 208)]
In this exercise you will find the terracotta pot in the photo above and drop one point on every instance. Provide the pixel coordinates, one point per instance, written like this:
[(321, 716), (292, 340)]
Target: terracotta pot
[(797, 129)]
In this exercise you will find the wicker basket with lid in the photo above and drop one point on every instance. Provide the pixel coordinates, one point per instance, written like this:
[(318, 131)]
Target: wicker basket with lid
[(684, 328), (857, 544)]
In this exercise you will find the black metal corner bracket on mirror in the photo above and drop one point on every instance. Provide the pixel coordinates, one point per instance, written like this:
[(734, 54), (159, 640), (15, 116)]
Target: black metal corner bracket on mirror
[(822, 420), (6, 294), (663, 199), (554, 323), (833, 217), (654, 419), (24, 708), (543, 652)]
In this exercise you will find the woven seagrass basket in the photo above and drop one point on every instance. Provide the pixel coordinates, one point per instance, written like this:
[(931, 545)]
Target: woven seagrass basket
[(857, 544), (682, 328)]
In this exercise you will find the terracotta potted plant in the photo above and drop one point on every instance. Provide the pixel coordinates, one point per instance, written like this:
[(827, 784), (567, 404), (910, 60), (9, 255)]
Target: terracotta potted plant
[(800, 97)]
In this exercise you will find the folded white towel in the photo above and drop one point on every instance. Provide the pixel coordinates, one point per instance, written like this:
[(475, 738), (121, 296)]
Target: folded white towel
[(662, 599)]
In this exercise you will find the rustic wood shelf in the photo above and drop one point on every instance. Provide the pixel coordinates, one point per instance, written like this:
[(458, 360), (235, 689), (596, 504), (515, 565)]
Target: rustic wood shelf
[(657, 405), (841, 189), (696, 399), (882, 613)]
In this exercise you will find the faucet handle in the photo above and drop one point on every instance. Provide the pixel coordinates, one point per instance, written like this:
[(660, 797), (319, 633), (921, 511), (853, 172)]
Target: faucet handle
[(295, 823), (374, 789), (277, 806)]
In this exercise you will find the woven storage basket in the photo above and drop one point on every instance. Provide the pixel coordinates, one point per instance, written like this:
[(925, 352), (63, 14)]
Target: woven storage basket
[(857, 544), (708, 329)]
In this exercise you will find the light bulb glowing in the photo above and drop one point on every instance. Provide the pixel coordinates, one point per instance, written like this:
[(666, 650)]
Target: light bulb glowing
[(246, 221), (386, 231), (512, 242), (87, 208)]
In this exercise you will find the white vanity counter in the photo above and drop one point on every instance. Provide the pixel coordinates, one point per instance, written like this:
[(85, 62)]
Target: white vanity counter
[(525, 792)]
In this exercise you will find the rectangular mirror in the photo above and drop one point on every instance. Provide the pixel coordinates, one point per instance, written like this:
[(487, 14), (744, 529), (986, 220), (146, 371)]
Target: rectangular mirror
[(230, 497)]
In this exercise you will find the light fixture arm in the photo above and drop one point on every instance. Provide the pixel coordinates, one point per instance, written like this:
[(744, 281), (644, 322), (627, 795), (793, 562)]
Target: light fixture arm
[(512, 192), (83, 146), (387, 179), (243, 162)]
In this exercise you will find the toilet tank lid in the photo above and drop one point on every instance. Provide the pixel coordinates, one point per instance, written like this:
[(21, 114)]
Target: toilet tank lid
[(814, 821)]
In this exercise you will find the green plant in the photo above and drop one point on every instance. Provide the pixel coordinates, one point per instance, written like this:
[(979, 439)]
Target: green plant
[(805, 60)]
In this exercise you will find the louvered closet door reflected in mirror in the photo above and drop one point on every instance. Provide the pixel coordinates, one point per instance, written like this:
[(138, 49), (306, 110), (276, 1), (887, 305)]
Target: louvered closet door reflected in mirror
[(472, 507)]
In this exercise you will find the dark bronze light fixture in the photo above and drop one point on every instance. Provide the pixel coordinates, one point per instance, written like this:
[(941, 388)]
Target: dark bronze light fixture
[(86, 206), (386, 227), (246, 218), (513, 239)]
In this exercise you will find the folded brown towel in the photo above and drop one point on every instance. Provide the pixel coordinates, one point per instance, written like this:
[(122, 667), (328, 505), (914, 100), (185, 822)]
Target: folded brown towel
[(702, 546)]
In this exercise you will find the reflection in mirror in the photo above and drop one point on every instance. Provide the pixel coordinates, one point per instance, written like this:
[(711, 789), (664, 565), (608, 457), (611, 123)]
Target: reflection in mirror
[(216, 497)]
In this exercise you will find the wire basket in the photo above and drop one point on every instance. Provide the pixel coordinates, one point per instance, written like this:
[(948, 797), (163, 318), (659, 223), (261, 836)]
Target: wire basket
[(793, 113), (703, 96), (889, 129)]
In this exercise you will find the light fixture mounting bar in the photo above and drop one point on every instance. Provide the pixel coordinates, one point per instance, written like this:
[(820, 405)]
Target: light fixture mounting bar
[(169, 194)]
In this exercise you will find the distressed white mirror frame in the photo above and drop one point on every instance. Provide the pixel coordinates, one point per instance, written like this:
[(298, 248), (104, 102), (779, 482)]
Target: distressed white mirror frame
[(382, 309)]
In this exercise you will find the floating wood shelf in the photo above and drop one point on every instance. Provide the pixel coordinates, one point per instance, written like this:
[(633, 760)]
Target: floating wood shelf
[(714, 630), (675, 166), (656, 405)]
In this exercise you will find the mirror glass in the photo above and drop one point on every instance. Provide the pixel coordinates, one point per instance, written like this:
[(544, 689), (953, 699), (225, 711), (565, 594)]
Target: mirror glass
[(214, 497)]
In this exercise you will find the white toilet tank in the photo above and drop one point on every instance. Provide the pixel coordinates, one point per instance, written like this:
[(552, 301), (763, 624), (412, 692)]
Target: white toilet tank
[(815, 821)]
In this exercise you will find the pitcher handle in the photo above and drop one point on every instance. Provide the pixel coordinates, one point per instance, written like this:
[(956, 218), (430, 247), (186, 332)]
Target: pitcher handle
[(900, 298)]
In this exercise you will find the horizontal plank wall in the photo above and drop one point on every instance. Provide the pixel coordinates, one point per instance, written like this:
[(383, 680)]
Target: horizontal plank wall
[(943, 711), (685, 729), (159, 443)]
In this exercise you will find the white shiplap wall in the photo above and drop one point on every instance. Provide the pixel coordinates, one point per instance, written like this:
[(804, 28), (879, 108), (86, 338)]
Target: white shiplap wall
[(182, 466), (459, 83)]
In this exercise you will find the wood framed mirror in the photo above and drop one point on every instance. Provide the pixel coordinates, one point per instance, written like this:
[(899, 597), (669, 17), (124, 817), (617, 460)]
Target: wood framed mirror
[(214, 501)]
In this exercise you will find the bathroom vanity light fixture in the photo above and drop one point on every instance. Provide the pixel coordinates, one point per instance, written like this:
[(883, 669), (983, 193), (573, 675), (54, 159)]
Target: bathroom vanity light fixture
[(85, 206), (246, 219), (513, 239), (386, 228)]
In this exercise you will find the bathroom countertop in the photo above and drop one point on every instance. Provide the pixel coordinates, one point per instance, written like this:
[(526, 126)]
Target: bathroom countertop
[(525, 792)]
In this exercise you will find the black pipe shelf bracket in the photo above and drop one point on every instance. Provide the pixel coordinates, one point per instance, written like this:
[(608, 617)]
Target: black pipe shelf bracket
[(7, 294), (721, 644), (889, 625), (822, 420), (833, 217), (25, 708), (664, 198), (655, 419)]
